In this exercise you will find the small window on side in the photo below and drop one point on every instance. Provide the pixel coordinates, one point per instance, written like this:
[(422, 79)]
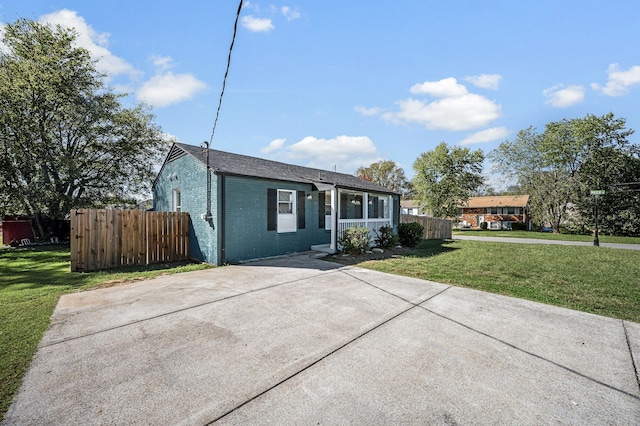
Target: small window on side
[(177, 200)]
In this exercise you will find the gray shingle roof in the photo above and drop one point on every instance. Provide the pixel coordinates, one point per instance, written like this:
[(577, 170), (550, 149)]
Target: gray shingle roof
[(243, 165)]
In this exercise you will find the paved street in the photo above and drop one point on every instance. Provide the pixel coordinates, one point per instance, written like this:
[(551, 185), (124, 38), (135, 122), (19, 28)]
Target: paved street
[(537, 241)]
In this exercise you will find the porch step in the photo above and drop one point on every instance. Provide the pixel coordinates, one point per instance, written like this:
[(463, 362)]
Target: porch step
[(324, 248)]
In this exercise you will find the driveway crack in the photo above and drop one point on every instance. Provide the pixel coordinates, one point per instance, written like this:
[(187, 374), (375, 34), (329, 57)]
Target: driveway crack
[(633, 360), (412, 306), (176, 311)]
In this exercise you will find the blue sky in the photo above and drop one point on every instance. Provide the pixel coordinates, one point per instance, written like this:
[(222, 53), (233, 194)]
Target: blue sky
[(343, 84)]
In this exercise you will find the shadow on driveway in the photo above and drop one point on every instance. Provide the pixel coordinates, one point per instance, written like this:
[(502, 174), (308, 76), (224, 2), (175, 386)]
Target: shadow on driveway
[(299, 340)]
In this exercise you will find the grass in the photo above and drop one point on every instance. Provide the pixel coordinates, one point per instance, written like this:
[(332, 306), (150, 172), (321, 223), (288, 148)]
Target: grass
[(31, 281), (591, 279), (547, 236)]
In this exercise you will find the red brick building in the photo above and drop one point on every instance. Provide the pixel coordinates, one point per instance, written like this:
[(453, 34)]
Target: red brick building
[(498, 211)]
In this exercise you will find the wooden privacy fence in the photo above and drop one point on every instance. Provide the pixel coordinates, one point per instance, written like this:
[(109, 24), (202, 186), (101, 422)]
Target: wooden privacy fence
[(434, 227), (109, 238)]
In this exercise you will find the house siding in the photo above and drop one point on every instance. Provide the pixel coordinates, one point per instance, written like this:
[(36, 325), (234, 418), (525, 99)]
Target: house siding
[(245, 220), (191, 180)]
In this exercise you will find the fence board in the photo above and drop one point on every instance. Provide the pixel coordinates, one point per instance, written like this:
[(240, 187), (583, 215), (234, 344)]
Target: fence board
[(102, 239), (434, 228)]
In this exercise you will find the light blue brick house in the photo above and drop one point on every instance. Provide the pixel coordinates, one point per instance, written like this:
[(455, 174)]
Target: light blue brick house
[(244, 208)]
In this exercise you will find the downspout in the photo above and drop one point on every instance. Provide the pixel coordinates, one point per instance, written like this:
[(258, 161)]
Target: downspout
[(223, 257)]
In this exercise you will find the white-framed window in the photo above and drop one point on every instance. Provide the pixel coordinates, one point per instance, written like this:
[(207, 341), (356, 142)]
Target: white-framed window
[(287, 216), (176, 203)]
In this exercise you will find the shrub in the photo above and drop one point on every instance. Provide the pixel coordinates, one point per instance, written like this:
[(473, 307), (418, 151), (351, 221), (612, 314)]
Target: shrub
[(483, 225), (385, 237), (518, 226), (410, 233), (355, 240)]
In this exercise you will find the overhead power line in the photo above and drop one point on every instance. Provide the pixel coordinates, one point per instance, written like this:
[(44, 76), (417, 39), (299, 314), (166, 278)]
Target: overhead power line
[(226, 73)]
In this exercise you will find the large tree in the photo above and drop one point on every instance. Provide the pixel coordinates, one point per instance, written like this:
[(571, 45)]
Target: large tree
[(550, 184), (65, 140), (445, 178), (608, 161), (385, 173), (560, 166)]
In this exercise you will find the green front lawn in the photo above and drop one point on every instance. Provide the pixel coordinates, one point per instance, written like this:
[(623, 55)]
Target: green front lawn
[(599, 280), (31, 281), (546, 236)]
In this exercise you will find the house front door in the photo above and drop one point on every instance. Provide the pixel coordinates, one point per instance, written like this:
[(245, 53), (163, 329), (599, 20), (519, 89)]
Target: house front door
[(480, 219)]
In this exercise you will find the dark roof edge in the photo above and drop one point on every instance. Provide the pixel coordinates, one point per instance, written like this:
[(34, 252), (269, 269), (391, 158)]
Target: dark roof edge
[(305, 181), (186, 148)]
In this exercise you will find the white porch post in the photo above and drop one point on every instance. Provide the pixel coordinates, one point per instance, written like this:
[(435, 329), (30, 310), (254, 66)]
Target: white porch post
[(334, 219), (365, 209)]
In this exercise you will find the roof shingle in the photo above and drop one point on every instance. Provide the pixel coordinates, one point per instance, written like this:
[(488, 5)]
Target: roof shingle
[(243, 165), (498, 201)]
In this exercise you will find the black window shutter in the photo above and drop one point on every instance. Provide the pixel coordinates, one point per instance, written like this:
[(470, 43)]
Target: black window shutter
[(272, 209), (301, 219), (343, 206), (375, 207), (321, 212)]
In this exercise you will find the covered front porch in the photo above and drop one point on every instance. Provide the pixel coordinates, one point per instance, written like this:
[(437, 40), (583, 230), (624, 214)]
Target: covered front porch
[(345, 208)]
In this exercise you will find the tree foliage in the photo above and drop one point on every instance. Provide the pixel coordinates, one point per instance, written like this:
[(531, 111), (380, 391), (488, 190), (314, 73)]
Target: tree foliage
[(385, 173), (65, 140), (560, 166), (445, 178), (549, 183)]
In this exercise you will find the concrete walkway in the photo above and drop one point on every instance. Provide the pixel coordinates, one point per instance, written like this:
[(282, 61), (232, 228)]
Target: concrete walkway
[(537, 241), (297, 340)]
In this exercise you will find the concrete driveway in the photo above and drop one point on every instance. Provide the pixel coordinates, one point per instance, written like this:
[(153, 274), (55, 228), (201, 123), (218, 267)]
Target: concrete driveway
[(297, 340)]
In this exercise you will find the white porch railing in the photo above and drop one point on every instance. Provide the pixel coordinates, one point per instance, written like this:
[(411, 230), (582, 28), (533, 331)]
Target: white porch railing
[(372, 224)]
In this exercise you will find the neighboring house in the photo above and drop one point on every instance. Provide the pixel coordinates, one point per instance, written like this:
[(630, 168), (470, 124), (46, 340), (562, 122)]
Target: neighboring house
[(498, 211), (411, 207), (247, 207), (15, 228)]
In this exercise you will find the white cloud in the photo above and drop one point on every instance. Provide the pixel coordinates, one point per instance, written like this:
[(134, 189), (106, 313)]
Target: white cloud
[(368, 111), (486, 81), (346, 153), (619, 82), (456, 110), (563, 97), (275, 145), (447, 87), (257, 24), (96, 43), (168, 89), (291, 15), (486, 136), (465, 112), (162, 63)]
